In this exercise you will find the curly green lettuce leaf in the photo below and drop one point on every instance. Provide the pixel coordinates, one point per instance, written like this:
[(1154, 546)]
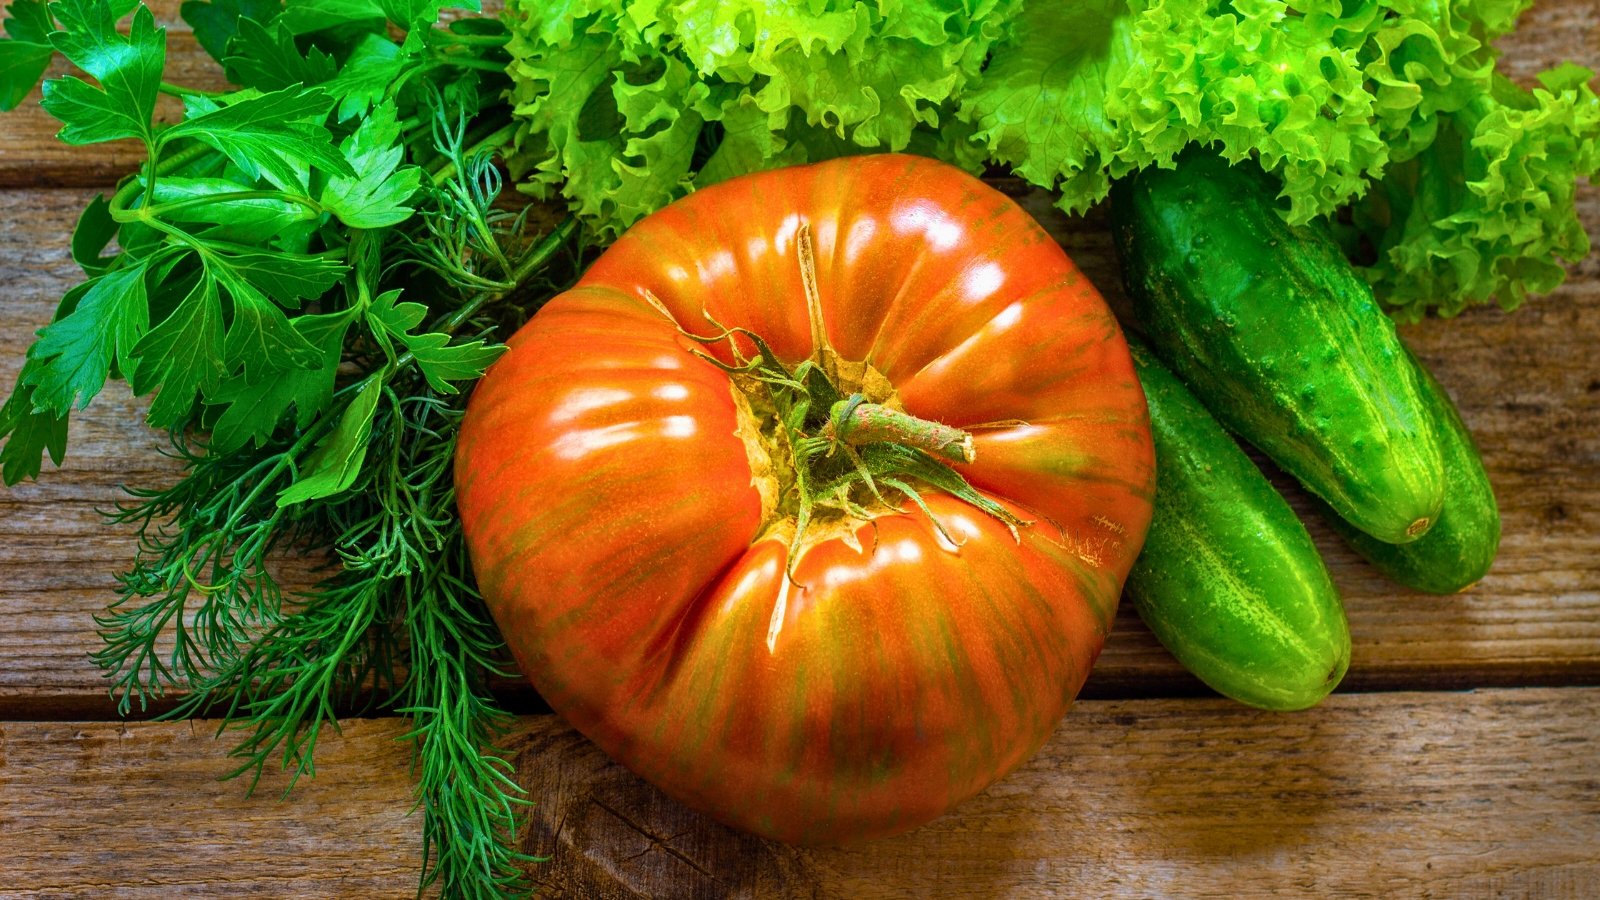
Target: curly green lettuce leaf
[(1087, 93), (1475, 176), (625, 105), (1487, 209), (1425, 59)]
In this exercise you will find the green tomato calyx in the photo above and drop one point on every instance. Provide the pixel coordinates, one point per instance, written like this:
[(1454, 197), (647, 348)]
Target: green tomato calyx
[(829, 445)]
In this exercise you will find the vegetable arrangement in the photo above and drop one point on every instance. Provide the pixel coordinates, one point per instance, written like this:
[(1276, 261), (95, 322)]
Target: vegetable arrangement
[(310, 272)]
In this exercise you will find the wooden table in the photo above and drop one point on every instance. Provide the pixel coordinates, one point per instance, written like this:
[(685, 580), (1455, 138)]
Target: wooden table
[(1460, 757)]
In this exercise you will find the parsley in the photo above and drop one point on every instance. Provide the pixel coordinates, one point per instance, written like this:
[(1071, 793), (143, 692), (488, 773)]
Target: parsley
[(305, 273)]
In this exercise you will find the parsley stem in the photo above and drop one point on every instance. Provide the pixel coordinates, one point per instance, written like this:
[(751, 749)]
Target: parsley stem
[(471, 62), (478, 40), (173, 206), (178, 90), (125, 194)]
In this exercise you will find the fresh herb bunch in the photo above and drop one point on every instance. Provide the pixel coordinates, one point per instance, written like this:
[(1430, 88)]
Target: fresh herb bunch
[(254, 288)]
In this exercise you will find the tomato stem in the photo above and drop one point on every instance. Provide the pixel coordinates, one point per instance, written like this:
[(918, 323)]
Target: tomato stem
[(856, 421)]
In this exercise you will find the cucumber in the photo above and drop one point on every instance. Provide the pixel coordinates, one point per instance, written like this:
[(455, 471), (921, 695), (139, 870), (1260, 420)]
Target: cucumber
[(1457, 551), (1277, 334), (1228, 579)]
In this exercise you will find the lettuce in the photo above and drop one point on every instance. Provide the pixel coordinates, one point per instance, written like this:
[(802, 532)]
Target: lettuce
[(1487, 209), (626, 104), (1452, 185)]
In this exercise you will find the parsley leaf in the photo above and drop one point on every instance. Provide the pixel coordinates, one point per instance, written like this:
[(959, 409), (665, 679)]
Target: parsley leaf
[(276, 135), (387, 316), (287, 278), (183, 355), (128, 69), (416, 15), (307, 16), (336, 461), (253, 218), (442, 364), (260, 339), (32, 433), (254, 410), (95, 230), (270, 60), (376, 197), (28, 22), (371, 70), (26, 55), (217, 22), (73, 354), (440, 361)]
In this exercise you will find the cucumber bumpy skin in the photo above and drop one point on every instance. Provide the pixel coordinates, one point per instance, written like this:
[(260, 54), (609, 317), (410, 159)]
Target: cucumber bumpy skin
[(1229, 580), (1277, 334), (1458, 550)]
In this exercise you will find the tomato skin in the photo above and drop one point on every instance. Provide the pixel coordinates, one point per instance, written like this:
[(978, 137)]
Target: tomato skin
[(613, 518)]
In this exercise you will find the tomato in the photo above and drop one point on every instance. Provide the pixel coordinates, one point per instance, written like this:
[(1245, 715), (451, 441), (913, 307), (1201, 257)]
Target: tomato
[(630, 509)]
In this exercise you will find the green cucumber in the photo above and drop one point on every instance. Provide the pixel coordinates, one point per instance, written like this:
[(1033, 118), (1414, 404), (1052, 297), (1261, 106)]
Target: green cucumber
[(1278, 335), (1457, 551), (1228, 579)]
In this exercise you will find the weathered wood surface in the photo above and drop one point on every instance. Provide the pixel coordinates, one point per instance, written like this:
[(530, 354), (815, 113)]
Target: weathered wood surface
[(1492, 793), (103, 809), (1528, 385)]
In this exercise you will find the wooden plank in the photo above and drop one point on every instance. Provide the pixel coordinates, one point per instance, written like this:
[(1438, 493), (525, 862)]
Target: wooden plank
[(1528, 385), (1550, 32), (1370, 795), (1463, 795), (109, 810)]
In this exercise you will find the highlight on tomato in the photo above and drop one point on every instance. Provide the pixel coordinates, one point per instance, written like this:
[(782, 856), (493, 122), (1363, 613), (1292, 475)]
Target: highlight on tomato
[(812, 501)]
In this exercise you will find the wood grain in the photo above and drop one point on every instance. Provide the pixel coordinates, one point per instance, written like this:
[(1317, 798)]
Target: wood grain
[(1493, 793), (1448, 795), (109, 810)]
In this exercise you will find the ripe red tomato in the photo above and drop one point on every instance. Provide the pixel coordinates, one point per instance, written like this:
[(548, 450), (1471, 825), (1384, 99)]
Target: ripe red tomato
[(629, 510)]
